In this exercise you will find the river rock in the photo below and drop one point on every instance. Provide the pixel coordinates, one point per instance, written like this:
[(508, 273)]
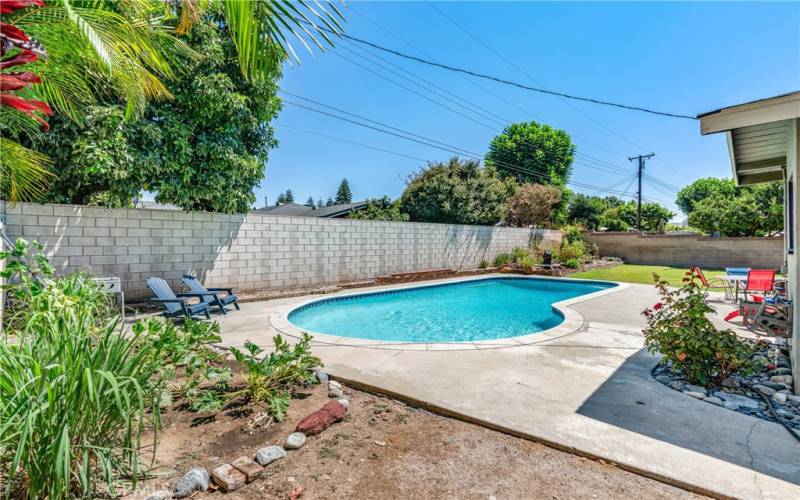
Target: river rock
[(696, 395), (794, 400), (782, 379), (780, 397), (767, 391), (160, 495), (664, 379), (713, 400), (694, 388), (267, 455), (780, 371), (295, 441), (730, 405), (345, 403), (322, 377), (737, 399), (195, 480)]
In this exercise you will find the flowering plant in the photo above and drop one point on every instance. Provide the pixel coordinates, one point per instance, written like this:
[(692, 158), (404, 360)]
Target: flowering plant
[(678, 328)]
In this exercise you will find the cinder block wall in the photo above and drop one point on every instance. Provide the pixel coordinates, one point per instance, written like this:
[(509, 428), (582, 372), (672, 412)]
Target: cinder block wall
[(687, 250), (252, 251)]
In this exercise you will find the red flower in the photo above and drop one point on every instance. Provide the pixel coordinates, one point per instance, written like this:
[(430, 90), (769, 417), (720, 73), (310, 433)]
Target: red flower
[(24, 57), (770, 367), (28, 106), (9, 6), (646, 313), (658, 306)]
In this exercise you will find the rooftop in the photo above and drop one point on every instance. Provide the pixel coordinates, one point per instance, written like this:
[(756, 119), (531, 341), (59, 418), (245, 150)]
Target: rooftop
[(293, 209)]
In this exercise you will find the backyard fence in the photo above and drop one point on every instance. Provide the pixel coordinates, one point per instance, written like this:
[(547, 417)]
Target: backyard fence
[(688, 250), (251, 252)]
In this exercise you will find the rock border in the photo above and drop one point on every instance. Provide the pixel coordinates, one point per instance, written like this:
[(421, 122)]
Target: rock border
[(243, 470), (775, 382)]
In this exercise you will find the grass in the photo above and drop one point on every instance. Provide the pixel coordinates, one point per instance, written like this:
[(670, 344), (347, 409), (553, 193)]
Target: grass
[(630, 273)]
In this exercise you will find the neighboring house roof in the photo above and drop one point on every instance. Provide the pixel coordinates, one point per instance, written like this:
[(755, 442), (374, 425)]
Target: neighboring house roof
[(293, 209), (759, 135)]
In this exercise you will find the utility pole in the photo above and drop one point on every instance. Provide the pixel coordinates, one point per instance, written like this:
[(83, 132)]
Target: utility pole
[(641, 159)]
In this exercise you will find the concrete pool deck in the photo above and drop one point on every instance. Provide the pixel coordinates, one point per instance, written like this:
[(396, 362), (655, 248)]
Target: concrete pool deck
[(589, 391)]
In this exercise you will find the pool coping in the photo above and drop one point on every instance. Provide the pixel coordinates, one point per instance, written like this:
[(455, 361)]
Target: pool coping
[(573, 320)]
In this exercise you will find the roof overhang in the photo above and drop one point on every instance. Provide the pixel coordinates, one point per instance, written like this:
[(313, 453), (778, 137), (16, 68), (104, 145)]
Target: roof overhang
[(758, 136)]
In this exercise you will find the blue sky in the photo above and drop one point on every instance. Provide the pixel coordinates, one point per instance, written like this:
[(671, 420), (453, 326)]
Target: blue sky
[(685, 58)]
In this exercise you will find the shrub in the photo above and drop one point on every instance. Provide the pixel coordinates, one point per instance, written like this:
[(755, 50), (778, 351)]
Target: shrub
[(528, 263), (678, 328), (268, 377), (75, 394), (519, 253), (484, 264), (572, 233), (568, 251), (572, 263), (502, 259), (188, 348), (532, 205)]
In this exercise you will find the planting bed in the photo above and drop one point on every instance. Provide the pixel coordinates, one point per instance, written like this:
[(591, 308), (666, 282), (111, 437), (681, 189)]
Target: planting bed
[(384, 449)]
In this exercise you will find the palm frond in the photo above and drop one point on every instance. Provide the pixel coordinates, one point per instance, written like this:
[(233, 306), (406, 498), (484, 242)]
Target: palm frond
[(23, 172)]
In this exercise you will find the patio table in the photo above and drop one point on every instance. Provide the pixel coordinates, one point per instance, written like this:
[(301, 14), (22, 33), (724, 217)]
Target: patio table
[(735, 280)]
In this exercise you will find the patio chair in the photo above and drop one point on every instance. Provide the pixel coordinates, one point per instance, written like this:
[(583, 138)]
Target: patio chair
[(759, 281), (211, 295), (176, 304), (714, 283)]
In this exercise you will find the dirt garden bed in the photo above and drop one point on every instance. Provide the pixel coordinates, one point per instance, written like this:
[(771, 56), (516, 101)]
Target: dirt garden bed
[(384, 449)]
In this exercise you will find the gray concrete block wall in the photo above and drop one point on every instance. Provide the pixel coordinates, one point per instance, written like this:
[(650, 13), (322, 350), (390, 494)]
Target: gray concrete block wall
[(252, 251), (688, 250)]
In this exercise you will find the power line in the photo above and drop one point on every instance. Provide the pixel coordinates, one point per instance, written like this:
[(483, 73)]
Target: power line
[(511, 83), (496, 95)]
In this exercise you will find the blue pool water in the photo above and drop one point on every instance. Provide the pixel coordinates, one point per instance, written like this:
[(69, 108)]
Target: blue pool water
[(472, 310)]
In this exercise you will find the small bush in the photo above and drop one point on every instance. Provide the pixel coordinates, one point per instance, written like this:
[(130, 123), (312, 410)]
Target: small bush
[(502, 259), (268, 377), (483, 265), (519, 253), (572, 263), (528, 263), (572, 233), (678, 328), (568, 251)]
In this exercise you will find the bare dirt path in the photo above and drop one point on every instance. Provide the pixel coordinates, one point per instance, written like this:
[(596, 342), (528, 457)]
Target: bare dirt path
[(385, 449)]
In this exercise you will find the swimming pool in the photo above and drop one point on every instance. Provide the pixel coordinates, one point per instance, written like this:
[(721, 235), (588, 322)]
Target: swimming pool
[(474, 310)]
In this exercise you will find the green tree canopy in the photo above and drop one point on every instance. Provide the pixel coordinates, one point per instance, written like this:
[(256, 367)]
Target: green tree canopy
[(204, 150), (531, 152), (587, 211), (751, 210), (653, 215), (343, 194), (456, 191), (702, 189), (380, 209)]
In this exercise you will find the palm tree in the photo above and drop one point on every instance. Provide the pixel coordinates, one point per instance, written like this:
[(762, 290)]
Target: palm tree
[(100, 49)]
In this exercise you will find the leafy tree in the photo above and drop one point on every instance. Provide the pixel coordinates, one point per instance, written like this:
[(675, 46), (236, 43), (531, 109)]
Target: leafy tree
[(612, 220), (532, 205), (532, 152), (751, 210), (204, 150), (702, 189), (587, 211), (343, 194), (653, 215), (456, 191), (380, 209)]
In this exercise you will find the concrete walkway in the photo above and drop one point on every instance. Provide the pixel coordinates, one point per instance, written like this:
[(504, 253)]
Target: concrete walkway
[(589, 392)]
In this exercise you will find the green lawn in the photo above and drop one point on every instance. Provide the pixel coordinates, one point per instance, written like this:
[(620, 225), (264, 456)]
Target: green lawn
[(630, 273)]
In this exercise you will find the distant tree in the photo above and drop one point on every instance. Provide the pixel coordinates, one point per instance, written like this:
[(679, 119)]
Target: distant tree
[(751, 210), (653, 215), (288, 196), (343, 194), (319, 203), (702, 189), (456, 191), (532, 205), (586, 211), (380, 209), (280, 200), (310, 202), (611, 220), (532, 152), (329, 202)]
